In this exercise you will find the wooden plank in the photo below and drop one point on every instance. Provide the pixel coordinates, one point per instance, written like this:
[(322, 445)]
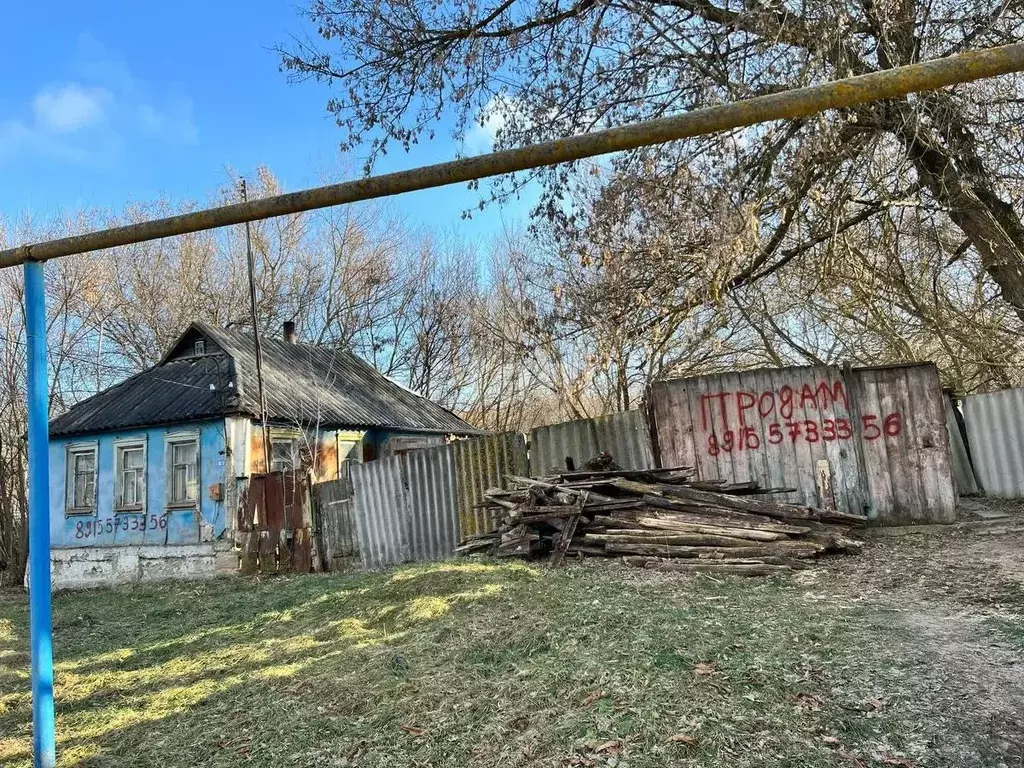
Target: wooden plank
[(249, 554), (302, 551), (268, 550), (900, 465), (875, 455)]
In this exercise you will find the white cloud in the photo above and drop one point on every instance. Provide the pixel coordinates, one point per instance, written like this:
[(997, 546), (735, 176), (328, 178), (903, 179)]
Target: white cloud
[(484, 132), (97, 112), (70, 107)]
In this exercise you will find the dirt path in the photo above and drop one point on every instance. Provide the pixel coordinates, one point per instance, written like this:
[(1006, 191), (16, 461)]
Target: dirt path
[(960, 597)]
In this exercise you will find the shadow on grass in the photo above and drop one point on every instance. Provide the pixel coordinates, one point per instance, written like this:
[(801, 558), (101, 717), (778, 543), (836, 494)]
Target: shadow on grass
[(201, 670)]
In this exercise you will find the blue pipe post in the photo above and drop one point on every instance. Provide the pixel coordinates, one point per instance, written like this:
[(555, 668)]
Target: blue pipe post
[(40, 605)]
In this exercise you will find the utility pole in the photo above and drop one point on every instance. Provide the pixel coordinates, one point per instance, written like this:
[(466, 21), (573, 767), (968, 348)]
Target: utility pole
[(256, 336)]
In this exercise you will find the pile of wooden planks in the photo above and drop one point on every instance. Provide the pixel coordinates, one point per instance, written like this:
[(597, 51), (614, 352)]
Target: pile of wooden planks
[(660, 519)]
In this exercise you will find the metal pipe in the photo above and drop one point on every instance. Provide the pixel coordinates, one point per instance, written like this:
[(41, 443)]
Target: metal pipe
[(788, 105), (40, 609)]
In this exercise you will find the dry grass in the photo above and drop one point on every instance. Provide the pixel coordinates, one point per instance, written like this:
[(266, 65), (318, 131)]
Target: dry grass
[(473, 664)]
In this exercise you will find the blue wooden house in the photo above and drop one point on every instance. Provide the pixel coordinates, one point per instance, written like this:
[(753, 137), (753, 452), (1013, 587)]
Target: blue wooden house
[(146, 476)]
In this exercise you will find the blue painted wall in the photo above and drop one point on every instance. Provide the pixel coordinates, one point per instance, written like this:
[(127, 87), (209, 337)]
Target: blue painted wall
[(158, 525)]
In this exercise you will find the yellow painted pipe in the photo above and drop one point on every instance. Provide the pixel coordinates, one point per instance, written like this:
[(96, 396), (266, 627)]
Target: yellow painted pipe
[(787, 105)]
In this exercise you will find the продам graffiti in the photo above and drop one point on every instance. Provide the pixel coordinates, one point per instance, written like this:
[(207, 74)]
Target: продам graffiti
[(752, 408)]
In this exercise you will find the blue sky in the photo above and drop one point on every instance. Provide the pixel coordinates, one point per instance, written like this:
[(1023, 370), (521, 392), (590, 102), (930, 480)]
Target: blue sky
[(108, 103)]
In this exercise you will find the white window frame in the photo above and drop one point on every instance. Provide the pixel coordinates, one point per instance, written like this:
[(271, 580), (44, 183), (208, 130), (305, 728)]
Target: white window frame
[(199, 347), (179, 438), (296, 440), (73, 450), (120, 446)]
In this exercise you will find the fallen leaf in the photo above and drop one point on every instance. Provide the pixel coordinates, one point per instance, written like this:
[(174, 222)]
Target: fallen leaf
[(592, 697), (831, 741), (612, 747), (808, 702), (412, 730), (681, 738), (705, 668), (903, 762), (874, 705)]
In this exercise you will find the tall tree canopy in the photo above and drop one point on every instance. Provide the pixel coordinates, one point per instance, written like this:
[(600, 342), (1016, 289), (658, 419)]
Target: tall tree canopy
[(539, 69)]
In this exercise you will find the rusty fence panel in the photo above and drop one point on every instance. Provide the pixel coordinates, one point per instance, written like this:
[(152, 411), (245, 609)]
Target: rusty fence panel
[(482, 463), (336, 524), (870, 440), (274, 524), (624, 435), (995, 432)]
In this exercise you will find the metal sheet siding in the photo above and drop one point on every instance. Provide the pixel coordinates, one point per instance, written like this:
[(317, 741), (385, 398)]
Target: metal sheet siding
[(995, 431), (433, 513), (960, 460), (878, 434), (482, 463), (381, 512), (624, 435), (405, 507)]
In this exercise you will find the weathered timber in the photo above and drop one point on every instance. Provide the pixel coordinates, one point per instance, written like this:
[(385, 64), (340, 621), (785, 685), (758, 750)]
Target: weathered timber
[(531, 482), (670, 538), (797, 549), (662, 523), (728, 517)]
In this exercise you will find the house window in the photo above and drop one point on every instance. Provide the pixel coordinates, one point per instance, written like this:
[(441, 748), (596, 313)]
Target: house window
[(130, 466), (284, 454), (183, 470), (199, 347), (81, 481)]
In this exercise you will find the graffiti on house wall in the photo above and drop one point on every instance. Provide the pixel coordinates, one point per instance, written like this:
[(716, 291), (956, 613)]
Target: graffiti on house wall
[(747, 421)]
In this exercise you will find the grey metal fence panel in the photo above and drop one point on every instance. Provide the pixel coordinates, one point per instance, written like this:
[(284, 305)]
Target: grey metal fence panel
[(960, 460), (483, 463), (336, 524), (381, 512), (624, 435), (995, 431), (433, 507)]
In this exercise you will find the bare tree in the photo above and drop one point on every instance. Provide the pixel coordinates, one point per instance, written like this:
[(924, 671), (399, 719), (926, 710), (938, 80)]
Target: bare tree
[(540, 69)]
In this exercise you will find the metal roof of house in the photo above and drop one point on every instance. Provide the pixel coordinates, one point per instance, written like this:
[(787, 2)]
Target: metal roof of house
[(303, 384)]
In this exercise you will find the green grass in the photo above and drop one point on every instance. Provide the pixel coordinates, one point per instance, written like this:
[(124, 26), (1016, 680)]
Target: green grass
[(474, 664)]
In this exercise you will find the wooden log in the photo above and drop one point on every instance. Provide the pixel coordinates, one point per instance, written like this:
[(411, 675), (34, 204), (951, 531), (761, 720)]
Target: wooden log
[(669, 524), (727, 517), (672, 539), (543, 484), (797, 549), (774, 509), (564, 538)]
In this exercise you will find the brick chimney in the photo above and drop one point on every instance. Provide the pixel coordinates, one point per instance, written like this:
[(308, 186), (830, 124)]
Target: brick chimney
[(289, 331)]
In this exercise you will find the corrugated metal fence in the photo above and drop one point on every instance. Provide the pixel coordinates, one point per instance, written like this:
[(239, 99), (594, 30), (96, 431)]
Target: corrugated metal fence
[(483, 463), (995, 431), (405, 507), (623, 435)]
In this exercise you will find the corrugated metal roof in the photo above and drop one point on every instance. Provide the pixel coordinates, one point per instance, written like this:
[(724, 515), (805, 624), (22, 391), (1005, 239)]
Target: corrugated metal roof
[(187, 389), (303, 384)]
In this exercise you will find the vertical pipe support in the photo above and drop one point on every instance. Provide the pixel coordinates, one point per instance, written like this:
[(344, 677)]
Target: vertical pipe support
[(40, 607)]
